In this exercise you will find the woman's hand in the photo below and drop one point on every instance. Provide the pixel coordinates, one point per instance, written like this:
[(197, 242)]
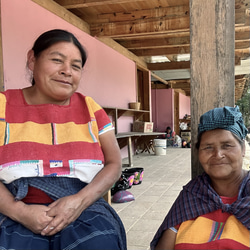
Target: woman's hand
[(63, 211), (68, 209), (34, 217)]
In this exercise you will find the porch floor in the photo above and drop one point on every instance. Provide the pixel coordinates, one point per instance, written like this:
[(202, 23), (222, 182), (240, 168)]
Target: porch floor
[(163, 179)]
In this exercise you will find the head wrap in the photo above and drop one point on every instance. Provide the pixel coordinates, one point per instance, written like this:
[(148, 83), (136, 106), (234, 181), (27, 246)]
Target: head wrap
[(228, 118)]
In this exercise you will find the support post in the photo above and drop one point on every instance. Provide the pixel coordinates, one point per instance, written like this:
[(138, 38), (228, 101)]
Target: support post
[(212, 39)]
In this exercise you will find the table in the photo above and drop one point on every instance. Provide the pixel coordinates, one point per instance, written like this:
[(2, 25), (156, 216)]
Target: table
[(125, 139)]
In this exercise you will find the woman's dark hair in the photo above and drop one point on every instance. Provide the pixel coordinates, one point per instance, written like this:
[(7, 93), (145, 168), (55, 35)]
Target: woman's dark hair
[(51, 37)]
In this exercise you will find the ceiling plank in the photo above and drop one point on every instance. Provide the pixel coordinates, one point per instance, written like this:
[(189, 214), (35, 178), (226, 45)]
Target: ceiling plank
[(144, 41), (185, 49), (239, 50), (74, 4), (155, 42), (155, 13), (163, 25), (176, 65), (169, 65), (64, 14), (242, 33), (243, 53)]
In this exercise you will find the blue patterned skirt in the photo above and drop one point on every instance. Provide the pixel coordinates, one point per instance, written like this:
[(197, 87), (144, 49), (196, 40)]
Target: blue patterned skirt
[(98, 227)]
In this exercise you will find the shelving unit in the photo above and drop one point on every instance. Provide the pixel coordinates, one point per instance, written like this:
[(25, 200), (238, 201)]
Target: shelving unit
[(116, 113)]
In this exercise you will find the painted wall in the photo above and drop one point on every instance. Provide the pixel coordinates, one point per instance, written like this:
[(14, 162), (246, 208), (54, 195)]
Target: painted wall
[(109, 77), (162, 109), (185, 106)]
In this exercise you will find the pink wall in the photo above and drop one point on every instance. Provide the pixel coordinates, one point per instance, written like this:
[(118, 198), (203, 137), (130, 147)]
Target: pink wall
[(109, 77), (162, 108), (184, 104)]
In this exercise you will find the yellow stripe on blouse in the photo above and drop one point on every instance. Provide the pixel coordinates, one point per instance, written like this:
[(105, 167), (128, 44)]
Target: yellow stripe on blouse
[(203, 230)]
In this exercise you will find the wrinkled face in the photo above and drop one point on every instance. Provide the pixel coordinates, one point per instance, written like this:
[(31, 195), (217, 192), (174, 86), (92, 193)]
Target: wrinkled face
[(57, 71), (221, 154)]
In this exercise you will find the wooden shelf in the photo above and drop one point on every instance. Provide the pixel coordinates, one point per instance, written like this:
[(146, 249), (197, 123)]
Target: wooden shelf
[(118, 112)]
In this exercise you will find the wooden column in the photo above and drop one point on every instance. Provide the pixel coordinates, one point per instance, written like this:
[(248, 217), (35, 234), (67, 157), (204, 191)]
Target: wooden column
[(212, 61), (176, 113)]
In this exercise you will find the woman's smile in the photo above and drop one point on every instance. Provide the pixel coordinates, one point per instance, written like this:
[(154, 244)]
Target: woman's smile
[(57, 73)]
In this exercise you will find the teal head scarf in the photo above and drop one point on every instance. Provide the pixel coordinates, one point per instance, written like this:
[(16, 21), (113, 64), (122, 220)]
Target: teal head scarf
[(228, 118)]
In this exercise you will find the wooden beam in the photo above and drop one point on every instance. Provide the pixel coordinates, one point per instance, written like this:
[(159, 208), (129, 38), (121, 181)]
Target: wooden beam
[(64, 14), (177, 65), (242, 53), (242, 44), (159, 79), (158, 85), (168, 39), (185, 49), (164, 35), (176, 112), (242, 33), (132, 16), (120, 29), (169, 65), (180, 84), (73, 4), (149, 42)]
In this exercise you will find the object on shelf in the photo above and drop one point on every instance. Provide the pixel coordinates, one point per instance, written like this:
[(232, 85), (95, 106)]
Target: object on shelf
[(134, 105), (143, 126), (183, 126)]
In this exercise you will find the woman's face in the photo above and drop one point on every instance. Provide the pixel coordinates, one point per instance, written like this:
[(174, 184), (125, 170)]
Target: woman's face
[(220, 154), (57, 72)]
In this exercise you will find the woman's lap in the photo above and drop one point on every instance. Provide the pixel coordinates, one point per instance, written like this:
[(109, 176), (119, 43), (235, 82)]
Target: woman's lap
[(90, 231)]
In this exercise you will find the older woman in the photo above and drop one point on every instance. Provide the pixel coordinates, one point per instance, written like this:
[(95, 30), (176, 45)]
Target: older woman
[(212, 210), (58, 157)]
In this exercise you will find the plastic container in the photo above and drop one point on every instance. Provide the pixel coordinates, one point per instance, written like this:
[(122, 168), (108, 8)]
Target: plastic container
[(160, 146)]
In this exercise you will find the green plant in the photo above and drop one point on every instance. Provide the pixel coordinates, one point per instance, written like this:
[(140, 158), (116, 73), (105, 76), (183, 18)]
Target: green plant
[(244, 105)]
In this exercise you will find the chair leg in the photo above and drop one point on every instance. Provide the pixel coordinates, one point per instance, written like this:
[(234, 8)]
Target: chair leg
[(107, 197)]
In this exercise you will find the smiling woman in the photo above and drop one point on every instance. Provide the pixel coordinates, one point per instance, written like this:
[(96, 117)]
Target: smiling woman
[(58, 157), (56, 71), (212, 210)]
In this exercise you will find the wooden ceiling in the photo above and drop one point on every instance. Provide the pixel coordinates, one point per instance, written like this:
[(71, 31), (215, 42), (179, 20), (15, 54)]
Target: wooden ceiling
[(143, 29)]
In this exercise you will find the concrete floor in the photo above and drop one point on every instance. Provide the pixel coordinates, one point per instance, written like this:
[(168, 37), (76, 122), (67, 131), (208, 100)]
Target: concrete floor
[(163, 179)]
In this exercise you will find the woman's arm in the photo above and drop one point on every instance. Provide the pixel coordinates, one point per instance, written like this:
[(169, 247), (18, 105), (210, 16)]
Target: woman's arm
[(111, 172), (167, 240), (34, 217), (68, 209)]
